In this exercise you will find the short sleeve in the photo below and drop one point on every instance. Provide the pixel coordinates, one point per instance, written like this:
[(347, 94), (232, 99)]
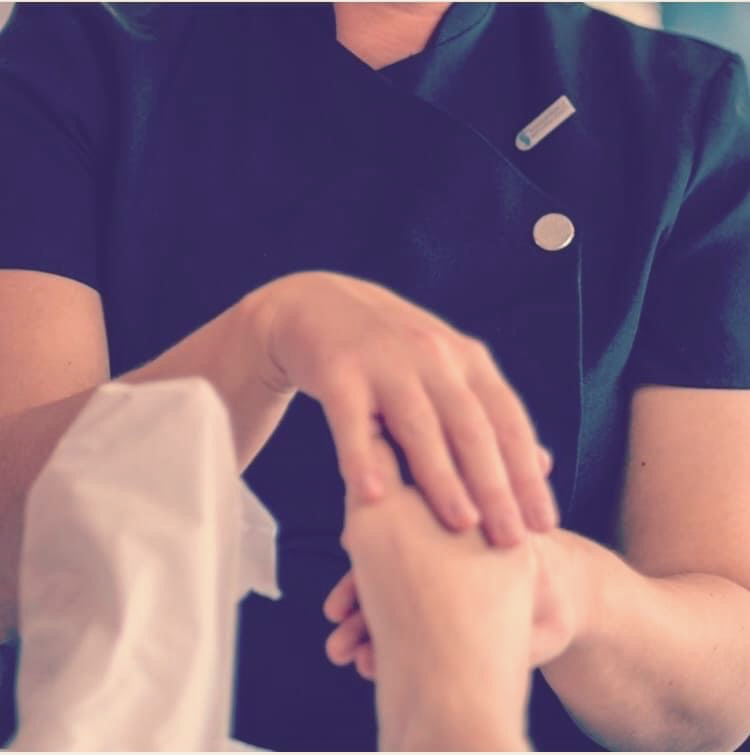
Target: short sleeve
[(695, 325), (49, 204)]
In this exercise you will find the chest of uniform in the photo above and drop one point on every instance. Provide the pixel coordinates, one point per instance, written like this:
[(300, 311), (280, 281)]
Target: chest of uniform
[(265, 178)]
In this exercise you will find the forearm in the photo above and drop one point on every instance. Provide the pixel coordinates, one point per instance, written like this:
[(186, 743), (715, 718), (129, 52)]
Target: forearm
[(449, 708), (480, 728), (230, 353), (26, 441), (660, 664), (226, 352)]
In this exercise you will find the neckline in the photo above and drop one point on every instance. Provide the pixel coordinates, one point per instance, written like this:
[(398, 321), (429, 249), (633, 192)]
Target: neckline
[(458, 20)]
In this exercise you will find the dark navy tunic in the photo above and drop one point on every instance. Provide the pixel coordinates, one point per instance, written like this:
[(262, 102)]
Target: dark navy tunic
[(176, 169)]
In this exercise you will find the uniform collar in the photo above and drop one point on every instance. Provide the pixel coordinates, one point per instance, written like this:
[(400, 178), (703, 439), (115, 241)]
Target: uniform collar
[(459, 19)]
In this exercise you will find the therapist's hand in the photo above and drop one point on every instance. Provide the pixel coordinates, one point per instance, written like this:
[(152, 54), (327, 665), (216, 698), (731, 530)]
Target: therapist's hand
[(374, 360)]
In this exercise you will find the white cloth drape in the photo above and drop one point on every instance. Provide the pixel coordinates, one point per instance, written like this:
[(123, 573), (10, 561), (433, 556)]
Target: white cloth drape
[(140, 538)]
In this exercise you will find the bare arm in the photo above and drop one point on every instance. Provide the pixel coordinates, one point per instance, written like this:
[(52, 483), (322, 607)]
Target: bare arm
[(662, 659), (45, 357), (651, 651), (464, 431), (52, 334)]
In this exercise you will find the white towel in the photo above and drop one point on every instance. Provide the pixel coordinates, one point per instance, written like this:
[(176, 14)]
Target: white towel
[(140, 538)]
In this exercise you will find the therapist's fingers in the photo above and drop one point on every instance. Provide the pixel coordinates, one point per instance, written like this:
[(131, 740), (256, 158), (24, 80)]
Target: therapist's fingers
[(344, 640), (546, 462), (477, 455), (342, 600), (412, 421), (529, 481), (351, 413), (517, 441), (367, 463)]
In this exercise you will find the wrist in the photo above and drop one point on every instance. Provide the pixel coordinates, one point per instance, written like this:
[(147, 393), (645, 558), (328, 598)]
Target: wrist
[(453, 706), (589, 569), (280, 315), (597, 569), (472, 723), (257, 315)]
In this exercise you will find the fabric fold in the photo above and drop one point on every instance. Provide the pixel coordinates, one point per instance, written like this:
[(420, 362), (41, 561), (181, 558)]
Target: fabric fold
[(140, 539)]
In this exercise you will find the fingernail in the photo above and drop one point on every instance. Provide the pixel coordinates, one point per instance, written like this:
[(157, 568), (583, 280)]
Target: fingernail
[(539, 516), (506, 539), (371, 487), (546, 460), (473, 517), (463, 515), (507, 533)]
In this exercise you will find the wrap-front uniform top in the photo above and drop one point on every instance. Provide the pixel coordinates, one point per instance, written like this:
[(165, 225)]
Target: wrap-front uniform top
[(217, 147)]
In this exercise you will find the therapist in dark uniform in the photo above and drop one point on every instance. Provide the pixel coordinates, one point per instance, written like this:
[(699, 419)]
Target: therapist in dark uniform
[(571, 190)]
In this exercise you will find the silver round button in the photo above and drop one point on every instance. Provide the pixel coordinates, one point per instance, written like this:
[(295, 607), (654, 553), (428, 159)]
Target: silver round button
[(553, 232)]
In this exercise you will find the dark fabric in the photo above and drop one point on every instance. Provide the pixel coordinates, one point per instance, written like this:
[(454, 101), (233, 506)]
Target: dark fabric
[(8, 664), (233, 144)]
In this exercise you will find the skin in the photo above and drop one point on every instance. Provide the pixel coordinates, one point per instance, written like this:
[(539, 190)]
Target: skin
[(439, 394), (679, 592), (445, 680), (383, 33), (655, 635), (647, 648)]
